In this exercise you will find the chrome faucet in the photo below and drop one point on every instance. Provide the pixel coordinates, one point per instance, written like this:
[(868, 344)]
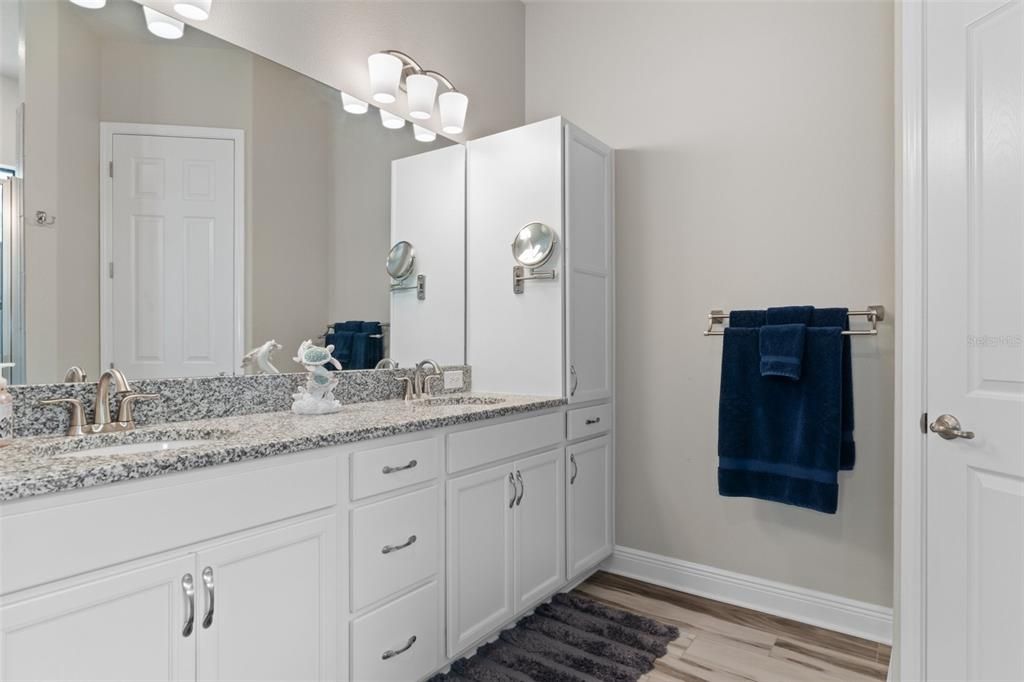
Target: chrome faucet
[(421, 380), (101, 422)]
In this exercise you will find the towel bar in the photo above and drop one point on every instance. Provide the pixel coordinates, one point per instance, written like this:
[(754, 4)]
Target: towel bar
[(874, 314)]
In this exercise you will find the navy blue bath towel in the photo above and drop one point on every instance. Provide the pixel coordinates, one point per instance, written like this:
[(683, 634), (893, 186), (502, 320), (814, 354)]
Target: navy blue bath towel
[(779, 439), (782, 350)]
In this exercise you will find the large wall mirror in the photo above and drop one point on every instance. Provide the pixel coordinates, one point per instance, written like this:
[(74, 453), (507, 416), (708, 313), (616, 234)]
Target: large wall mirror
[(196, 200)]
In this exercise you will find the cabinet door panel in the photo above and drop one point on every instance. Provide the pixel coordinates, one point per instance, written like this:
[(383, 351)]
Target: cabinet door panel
[(590, 363), (126, 626), (539, 527), (480, 536), (589, 488), (275, 613)]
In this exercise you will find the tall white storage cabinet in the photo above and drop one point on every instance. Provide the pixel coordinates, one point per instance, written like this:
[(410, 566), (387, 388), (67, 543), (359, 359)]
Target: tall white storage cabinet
[(557, 336)]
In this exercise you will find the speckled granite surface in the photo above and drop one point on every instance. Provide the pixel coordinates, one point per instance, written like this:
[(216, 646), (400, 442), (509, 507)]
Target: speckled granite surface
[(42, 465), (204, 397)]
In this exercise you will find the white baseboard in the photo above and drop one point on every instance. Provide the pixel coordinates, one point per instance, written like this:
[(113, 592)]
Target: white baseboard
[(789, 601)]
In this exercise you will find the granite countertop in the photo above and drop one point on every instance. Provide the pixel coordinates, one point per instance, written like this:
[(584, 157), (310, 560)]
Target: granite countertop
[(42, 465)]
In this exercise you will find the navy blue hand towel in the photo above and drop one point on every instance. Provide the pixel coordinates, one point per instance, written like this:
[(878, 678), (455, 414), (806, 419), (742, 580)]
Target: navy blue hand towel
[(780, 440), (782, 350), (746, 318), (839, 317), (792, 314)]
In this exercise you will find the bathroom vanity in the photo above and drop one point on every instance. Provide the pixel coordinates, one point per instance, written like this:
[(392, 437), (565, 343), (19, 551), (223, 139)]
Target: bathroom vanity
[(363, 555)]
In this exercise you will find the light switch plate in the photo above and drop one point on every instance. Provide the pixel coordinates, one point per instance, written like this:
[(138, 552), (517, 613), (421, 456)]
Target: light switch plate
[(453, 379)]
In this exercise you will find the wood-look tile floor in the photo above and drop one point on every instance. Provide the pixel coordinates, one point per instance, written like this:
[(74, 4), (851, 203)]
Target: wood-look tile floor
[(721, 642)]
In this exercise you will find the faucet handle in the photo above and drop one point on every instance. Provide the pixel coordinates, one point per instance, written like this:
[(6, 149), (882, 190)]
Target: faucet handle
[(124, 410), (75, 427), (408, 387), (426, 383)]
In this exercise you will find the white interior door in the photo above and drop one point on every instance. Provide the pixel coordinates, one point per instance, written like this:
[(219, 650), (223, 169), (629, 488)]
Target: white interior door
[(975, 290), (172, 246)]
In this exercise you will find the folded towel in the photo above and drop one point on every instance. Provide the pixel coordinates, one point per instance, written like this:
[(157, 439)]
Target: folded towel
[(839, 317), (746, 318), (793, 314), (780, 440), (782, 350), (350, 326), (359, 349)]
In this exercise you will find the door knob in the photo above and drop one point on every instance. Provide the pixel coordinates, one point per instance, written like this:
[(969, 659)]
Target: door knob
[(948, 427)]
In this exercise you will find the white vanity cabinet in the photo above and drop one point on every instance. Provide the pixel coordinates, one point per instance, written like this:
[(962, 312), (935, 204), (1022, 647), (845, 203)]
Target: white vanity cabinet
[(589, 495)]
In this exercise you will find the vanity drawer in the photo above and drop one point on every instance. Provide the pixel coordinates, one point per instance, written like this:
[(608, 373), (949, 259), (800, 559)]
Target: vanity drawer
[(406, 632), (394, 545), (381, 469), (475, 447), (589, 421)]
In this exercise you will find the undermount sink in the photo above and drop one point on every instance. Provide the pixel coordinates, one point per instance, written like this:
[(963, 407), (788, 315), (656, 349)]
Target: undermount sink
[(136, 448), (459, 400)]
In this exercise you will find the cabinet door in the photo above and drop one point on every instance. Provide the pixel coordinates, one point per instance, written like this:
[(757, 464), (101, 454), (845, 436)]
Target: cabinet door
[(124, 626), (589, 264), (480, 536), (539, 527), (590, 504), (266, 605)]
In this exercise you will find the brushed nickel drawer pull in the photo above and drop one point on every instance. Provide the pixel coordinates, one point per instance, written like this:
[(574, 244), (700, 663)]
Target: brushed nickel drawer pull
[(391, 653), (515, 489), (388, 549), (391, 470), (593, 420), (208, 586), (522, 488), (188, 588), (575, 469)]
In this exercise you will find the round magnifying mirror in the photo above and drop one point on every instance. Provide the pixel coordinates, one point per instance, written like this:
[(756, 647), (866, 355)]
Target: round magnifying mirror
[(534, 245), (401, 260)]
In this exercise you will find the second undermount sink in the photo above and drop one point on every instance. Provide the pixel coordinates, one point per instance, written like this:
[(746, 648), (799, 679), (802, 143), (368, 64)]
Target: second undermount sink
[(459, 400), (136, 448)]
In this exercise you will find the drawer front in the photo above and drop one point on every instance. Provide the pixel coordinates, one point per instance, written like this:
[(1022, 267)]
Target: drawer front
[(476, 447), (400, 641), (395, 543), (381, 469), (589, 421)]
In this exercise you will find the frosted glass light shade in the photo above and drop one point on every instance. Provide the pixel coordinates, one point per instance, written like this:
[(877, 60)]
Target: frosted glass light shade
[(453, 107), (385, 74), (353, 105), (422, 90), (197, 10), (422, 134), (389, 120), (90, 4), (162, 25)]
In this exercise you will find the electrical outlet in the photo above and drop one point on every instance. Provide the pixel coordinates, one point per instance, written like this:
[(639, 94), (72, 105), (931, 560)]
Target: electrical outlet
[(453, 379)]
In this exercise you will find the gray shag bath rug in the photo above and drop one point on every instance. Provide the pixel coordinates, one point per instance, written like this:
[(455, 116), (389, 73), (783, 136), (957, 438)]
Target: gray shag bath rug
[(570, 639)]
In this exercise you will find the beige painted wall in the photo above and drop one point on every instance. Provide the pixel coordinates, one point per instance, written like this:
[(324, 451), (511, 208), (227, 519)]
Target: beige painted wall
[(754, 168), (478, 45)]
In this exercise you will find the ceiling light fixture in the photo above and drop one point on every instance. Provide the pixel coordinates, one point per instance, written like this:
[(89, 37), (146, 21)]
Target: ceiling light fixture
[(162, 25), (422, 134), (90, 4), (197, 10), (390, 121), (353, 105), (391, 71)]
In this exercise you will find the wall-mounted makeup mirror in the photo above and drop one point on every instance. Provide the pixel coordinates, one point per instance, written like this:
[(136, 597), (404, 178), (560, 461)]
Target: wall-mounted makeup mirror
[(533, 247), (401, 260)]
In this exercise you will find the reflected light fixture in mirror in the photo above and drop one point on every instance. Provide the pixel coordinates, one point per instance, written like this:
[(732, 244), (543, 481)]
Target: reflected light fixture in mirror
[(421, 89), (90, 4), (422, 134), (197, 10), (453, 107), (353, 105), (385, 75), (391, 121), (162, 25)]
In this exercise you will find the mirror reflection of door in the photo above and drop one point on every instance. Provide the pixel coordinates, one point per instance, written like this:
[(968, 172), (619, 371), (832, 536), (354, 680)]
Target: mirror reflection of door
[(170, 309)]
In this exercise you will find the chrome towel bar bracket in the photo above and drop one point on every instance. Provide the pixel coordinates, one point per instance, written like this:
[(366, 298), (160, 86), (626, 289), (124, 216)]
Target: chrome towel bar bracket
[(873, 313)]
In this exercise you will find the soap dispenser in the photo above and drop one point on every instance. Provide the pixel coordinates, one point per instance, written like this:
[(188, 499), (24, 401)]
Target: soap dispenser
[(6, 409)]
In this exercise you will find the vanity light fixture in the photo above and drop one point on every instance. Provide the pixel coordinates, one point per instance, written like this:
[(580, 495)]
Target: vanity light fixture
[(90, 4), (197, 10), (353, 105), (162, 25), (422, 134), (391, 71), (390, 121)]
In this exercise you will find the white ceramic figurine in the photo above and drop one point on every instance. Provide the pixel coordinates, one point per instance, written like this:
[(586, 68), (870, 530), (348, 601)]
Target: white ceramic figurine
[(317, 396), (257, 361)]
